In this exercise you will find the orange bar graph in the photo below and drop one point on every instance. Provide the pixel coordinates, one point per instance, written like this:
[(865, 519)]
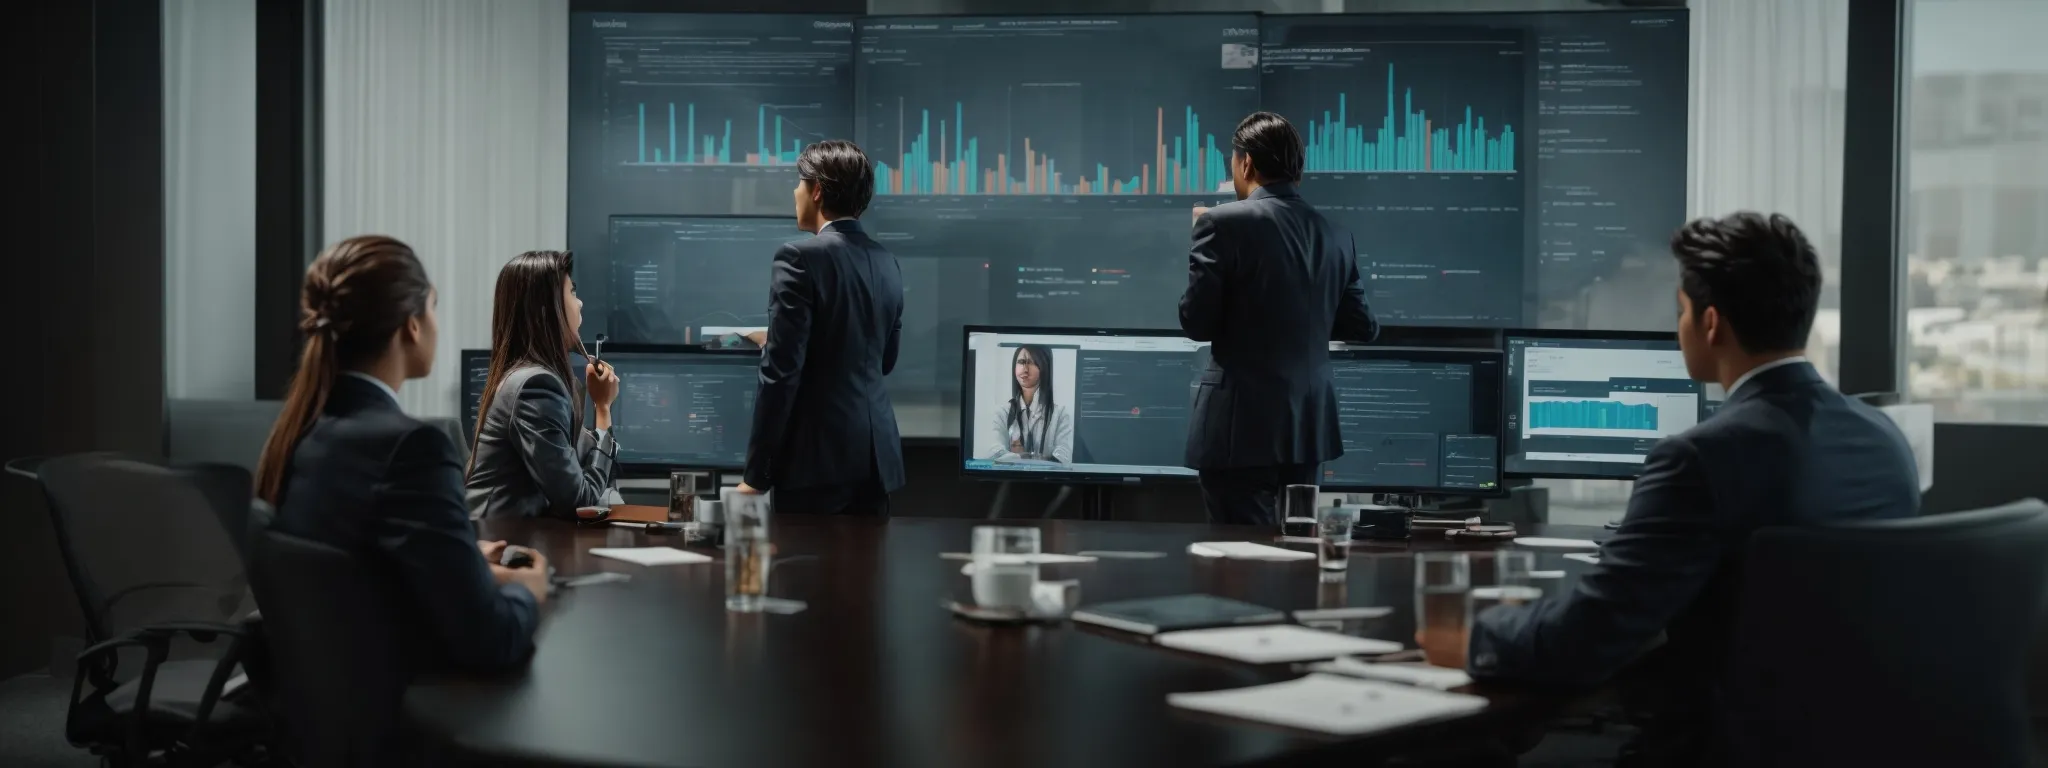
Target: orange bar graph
[(1002, 170), (939, 175), (1145, 179), (1159, 151), (1425, 144), (1030, 169)]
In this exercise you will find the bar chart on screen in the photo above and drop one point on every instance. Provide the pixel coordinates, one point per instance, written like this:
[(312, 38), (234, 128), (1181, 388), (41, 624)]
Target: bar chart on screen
[(1184, 159), (712, 91), (1055, 106), (1372, 98)]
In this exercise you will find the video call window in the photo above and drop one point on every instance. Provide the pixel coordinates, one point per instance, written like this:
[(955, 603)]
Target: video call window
[(1078, 404), (1593, 404)]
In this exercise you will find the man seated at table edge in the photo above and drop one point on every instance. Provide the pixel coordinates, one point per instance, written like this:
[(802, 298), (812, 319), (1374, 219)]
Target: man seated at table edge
[(1786, 448)]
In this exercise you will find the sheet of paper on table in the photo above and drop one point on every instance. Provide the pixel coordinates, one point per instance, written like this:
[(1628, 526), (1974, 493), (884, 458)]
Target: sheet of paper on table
[(1332, 704), (1406, 673), (651, 555), (1245, 550), (1273, 644)]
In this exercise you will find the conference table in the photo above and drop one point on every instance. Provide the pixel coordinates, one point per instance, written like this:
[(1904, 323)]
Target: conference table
[(874, 671)]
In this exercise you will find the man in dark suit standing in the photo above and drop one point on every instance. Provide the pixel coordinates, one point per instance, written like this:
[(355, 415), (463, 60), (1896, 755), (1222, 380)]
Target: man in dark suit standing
[(1270, 283), (825, 435), (1786, 448)]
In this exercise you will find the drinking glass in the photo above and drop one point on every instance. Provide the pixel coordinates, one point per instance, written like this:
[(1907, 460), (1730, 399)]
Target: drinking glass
[(1004, 574), (683, 488), (1333, 527), (1298, 510), (1443, 593), (747, 550), (1512, 569)]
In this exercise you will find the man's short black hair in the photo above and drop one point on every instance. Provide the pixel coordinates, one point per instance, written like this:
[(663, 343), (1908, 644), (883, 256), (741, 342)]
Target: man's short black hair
[(1758, 272), (1272, 144), (842, 174)]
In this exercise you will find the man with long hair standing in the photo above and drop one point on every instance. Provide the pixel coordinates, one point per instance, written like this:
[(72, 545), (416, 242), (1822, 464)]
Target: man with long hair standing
[(825, 436)]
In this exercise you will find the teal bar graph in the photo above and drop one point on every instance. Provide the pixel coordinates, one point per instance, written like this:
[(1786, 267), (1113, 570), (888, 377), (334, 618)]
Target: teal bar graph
[(1591, 414), (770, 146), (1408, 139), (951, 162)]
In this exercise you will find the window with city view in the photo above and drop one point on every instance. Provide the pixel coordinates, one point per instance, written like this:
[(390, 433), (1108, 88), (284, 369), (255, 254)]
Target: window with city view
[(1976, 230)]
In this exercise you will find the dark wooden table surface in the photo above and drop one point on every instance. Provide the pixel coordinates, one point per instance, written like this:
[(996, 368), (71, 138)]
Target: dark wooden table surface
[(655, 671)]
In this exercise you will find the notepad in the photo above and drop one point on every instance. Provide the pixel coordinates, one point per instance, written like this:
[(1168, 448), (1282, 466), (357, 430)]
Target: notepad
[(1245, 550), (651, 555), (1406, 673), (1038, 558), (1539, 541), (1274, 644), (1332, 704)]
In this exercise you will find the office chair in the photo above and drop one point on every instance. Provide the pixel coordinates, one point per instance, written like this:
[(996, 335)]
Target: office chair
[(336, 658), (1897, 642), (154, 571)]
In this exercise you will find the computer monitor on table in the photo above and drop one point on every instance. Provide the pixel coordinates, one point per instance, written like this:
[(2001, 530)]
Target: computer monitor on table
[(1421, 421), (1590, 404), (678, 408), (683, 408), (1118, 404)]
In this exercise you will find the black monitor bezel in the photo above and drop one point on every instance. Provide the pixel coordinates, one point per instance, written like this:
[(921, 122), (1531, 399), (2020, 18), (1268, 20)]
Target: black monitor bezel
[(1435, 354), (1507, 394), (1061, 478)]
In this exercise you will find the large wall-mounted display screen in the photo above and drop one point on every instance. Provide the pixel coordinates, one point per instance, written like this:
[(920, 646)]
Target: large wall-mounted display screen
[(1494, 170)]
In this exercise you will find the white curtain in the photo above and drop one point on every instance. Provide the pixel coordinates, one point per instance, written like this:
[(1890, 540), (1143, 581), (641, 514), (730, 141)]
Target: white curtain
[(445, 126), (209, 199), (1768, 79)]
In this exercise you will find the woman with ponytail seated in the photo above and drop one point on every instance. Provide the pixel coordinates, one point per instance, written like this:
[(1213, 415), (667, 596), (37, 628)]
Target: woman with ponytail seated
[(344, 465), (531, 454)]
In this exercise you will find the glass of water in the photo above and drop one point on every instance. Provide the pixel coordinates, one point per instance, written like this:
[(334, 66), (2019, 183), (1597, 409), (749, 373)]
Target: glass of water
[(747, 551), (1005, 573), (1443, 594), (1333, 528), (1512, 571), (1298, 510)]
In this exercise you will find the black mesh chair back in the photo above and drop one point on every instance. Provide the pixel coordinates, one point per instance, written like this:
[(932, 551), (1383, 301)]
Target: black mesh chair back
[(1901, 642), (144, 542), (334, 651), (158, 574)]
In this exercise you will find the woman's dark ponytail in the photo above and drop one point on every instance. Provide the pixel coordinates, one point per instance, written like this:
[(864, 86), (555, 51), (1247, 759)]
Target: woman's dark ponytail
[(357, 294)]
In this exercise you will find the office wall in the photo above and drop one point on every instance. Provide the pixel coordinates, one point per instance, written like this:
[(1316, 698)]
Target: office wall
[(209, 198), (445, 127)]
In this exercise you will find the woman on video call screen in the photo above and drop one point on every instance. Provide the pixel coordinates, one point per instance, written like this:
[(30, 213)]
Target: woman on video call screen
[(1036, 423)]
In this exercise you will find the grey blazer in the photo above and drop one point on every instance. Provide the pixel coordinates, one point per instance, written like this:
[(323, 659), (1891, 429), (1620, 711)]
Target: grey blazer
[(525, 464)]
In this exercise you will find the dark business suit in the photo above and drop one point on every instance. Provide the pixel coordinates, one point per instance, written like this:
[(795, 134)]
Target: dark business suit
[(825, 435), (1786, 449), (388, 488), (526, 465), (1270, 283)]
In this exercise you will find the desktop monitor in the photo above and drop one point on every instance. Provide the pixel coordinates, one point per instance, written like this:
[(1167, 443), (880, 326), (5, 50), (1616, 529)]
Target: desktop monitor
[(1116, 404), (678, 407), (1417, 421), (684, 408), (1591, 404), (476, 369)]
